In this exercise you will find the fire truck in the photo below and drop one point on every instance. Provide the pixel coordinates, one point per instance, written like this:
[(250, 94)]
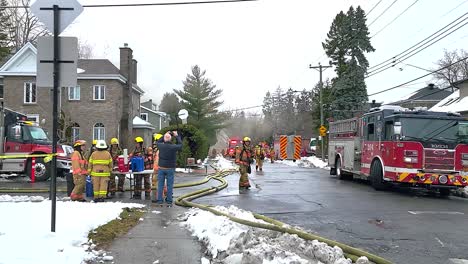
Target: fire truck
[(232, 143), (391, 144), (20, 138)]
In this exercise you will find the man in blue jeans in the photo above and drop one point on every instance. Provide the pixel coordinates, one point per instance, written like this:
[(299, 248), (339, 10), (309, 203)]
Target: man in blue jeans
[(167, 165)]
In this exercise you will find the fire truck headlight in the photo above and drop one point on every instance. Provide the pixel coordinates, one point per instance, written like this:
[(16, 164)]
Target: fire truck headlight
[(443, 179), (465, 156), (410, 160)]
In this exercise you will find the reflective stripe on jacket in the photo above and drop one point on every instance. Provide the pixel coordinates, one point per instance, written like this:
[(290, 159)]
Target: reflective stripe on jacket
[(78, 164), (100, 163)]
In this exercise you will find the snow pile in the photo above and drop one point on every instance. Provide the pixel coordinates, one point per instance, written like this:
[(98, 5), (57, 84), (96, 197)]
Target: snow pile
[(25, 227), (463, 192), (182, 170), (223, 164), (307, 162), (232, 243)]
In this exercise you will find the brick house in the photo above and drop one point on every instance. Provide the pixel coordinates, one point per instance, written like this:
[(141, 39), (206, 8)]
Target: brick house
[(102, 105), (149, 112)]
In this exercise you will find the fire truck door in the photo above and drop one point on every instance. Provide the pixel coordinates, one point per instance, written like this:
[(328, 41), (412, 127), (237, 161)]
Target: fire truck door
[(17, 140), (387, 146)]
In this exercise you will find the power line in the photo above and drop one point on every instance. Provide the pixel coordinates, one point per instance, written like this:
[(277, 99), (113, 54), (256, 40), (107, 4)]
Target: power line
[(410, 48), (414, 52), (388, 24), (425, 75), (152, 4), (386, 9), (372, 9), (240, 109)]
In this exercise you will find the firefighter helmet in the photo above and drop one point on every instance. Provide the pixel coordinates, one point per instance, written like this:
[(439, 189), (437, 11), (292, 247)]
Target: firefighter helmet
[(79, 142), (101, 144), (114, 141), (139, 140), (157, 136), (94, 142), (246, 139)]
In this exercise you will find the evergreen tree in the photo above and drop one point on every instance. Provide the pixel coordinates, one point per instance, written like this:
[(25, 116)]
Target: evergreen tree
[(4, 32), (201, 99), (170, 104)]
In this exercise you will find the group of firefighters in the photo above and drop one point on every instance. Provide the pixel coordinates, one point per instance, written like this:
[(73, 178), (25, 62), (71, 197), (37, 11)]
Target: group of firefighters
[(100, 163), (245, 155)]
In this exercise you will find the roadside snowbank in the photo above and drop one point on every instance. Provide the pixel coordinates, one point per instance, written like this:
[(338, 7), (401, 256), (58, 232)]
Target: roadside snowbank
[(307, 162), (223, 164), (232, 243), (25, 235)]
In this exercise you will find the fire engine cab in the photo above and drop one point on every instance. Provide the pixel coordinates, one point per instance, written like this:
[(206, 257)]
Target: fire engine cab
[(391, 144)]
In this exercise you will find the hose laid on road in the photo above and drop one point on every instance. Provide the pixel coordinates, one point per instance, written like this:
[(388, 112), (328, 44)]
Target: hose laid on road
[(185, 200)]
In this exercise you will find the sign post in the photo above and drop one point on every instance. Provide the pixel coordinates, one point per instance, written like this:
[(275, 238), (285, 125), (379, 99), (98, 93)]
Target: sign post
[(41, 9)]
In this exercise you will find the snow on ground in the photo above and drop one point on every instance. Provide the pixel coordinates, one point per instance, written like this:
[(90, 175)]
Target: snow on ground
[(463, 192), (232, 243), (224, 164), (308, 162), (25, 235)]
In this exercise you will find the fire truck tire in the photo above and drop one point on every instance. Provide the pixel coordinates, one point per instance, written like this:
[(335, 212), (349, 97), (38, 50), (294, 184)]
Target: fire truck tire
[(444, 192), (377, 176), (338, 170), (42, 169)]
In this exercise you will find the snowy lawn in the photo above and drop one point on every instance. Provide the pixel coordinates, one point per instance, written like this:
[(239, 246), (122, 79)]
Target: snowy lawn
[(308, 162), (224, 164), (232, 243), (25, 235)]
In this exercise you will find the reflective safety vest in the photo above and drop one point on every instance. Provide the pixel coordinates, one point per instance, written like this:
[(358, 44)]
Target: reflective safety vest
[(100, 163), (79, 164)]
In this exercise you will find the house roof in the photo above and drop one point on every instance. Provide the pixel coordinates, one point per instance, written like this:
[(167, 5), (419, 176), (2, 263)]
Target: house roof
[(97, 66), (140, 123), (154, 112), (452, 103)]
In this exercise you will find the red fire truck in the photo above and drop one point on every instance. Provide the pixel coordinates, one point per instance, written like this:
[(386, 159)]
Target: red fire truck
[(391, 144), (21, 137), (232, 143)]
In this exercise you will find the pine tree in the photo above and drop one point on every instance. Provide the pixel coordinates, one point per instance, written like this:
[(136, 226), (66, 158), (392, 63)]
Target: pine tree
[(170, 104), (4, 32), (201, 99)]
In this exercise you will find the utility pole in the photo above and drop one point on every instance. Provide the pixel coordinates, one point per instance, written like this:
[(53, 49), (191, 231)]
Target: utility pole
[(321, 68)]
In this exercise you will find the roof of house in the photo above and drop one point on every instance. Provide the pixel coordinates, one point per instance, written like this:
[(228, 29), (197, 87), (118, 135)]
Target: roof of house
[(452, 103), (97, 66), (428, 93), (153, 111), (140, 123)]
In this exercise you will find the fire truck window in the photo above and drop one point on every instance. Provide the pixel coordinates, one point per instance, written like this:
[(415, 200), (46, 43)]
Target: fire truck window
[(371, 132), (388, 130)]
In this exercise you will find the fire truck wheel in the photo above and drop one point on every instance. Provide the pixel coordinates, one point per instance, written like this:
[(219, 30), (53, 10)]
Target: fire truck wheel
[(42, 169), (377, 176), (444, 192), (339, 172)]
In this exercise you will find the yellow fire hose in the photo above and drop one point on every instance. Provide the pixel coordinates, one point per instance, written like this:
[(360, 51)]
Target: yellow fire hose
[(186, 201)]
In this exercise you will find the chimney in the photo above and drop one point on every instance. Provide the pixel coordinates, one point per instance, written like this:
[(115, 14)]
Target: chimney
[(431, 86), (126, 56), (134, 71)]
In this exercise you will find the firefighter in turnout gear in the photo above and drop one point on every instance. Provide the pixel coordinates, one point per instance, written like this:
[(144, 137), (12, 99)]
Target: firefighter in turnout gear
[(259, 157), (115, 152), (79, 171), (100, 167), (244, 159), (272, 155), (141, 152), (93, 148)]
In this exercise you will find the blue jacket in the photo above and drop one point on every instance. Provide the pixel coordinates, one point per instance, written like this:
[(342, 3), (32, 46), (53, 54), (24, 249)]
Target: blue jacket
[(168, 152)]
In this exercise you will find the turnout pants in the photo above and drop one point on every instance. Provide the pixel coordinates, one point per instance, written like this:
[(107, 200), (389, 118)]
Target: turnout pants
[(244, 176), (146, 182), (100, 186), (113, 187), (79, 181)]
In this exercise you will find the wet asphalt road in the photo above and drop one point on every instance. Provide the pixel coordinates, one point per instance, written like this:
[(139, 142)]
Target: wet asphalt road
[(402, 225)]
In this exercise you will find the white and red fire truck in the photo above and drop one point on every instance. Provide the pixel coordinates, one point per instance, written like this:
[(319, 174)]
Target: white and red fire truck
[(20, 137), (392, 144), (231, 148)]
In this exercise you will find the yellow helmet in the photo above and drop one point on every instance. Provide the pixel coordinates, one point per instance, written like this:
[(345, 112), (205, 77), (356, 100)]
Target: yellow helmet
[(94, 142), (114, 141), (139, 140), (246, 139), (157, 136), (79, 142)]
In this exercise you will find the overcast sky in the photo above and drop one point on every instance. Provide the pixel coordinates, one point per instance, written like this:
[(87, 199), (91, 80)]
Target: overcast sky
[(250, 48)]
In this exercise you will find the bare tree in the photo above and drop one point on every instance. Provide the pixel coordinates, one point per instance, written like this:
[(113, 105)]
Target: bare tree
[(455, 72), (85, 50), (25, 26)]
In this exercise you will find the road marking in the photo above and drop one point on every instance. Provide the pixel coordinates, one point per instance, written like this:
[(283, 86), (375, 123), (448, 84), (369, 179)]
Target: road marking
[(440, 242), (436, 212)]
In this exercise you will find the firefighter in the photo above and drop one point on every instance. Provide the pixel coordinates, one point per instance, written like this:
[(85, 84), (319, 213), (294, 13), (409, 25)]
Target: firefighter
[(154, 180), (244, 159), (272, 154), (92, 149), (140, 151), (259, 157), (115, 152), (79, 170), (100, 167)]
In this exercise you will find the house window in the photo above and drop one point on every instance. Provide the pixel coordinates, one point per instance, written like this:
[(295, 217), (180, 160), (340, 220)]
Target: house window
[(144, 116), (74, 93), (99, 92), (34, 118), (1, 87), (30, 93), (75, 132), (99, 132)]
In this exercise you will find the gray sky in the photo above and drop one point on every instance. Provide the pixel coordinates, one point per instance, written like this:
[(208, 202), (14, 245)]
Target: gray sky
[(252, 47)]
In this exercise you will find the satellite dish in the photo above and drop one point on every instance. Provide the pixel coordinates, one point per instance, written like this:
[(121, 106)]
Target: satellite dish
[(183, 114)]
